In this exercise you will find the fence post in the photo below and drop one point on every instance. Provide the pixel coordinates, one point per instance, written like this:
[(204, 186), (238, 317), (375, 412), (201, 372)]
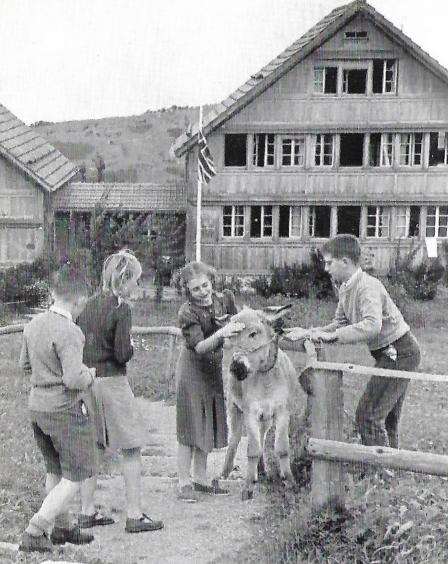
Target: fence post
[(169, 361), (327, 418)]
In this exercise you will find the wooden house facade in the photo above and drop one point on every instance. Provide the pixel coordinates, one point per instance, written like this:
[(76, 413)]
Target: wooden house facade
[(31, 171), (346, 131)]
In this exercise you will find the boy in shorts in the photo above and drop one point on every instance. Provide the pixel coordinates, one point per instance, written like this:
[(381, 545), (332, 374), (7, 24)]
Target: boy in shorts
[(60, 410), (366, 313)]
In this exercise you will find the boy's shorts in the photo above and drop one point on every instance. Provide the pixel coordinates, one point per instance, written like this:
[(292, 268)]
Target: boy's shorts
[(67, 441)]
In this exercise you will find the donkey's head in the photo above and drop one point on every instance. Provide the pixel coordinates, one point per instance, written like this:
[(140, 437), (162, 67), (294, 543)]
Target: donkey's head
[(255, 348)]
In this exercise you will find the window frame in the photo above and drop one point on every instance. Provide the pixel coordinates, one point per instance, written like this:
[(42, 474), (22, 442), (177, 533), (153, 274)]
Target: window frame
[(379, 212), (412, 153), (407, 221), (437, 225), (312, 222), (322, 150), (256, 138), (322, 83), (293, 139), (361, 65), (233, 224), (445, 149), (227, 137), (263, 225)]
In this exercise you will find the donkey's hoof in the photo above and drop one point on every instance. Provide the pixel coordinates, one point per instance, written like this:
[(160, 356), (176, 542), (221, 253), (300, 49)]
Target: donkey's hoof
[(247, 494)]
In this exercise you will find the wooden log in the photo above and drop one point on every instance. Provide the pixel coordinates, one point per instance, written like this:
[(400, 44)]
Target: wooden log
[(412, 461), (168, 330), (169, 361), (8, 329), (373, 371), (327, 416)]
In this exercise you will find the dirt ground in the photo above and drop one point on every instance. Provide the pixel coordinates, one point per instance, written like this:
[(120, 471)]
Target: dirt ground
[(215, 529)]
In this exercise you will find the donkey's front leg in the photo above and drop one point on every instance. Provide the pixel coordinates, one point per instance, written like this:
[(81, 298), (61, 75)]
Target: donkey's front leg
[(254, 451), (236, 420), (282, 443)]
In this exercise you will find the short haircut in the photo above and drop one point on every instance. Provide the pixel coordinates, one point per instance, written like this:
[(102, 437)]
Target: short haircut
[(118, 269), (343, 246), (69, 282), (195, 269)]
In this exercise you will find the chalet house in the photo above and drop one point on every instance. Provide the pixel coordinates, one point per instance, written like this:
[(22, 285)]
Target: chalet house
[(31, 171), (343, 132)]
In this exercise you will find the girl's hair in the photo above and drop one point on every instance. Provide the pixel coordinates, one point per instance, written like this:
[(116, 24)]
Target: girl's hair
[(194, 269), (118, 269)]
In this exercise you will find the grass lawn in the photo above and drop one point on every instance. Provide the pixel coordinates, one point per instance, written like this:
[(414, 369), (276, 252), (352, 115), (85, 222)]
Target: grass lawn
[(403, 521)]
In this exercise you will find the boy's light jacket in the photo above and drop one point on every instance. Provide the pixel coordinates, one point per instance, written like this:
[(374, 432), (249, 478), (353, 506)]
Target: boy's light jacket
[(366, 313)]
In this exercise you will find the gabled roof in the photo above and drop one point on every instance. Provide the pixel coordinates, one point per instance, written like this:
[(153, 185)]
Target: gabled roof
[(84, 196), (295, 53), (22, 146)]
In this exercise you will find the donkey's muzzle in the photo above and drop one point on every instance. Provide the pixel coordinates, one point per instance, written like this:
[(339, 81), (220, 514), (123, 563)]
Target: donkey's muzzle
[(239, 368)]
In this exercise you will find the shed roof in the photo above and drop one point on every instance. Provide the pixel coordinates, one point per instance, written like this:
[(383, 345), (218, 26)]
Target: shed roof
[(291, 56), (25, 148), (83, 196)]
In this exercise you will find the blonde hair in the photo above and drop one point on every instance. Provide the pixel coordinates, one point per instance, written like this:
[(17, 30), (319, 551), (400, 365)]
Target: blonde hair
[(118, 269)]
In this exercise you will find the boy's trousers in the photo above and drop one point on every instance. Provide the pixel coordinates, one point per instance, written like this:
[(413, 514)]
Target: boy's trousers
[(379, 408)]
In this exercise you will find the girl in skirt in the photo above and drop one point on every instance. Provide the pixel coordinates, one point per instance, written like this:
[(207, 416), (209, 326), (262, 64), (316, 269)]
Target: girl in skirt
[(201, 417), (106, 323)]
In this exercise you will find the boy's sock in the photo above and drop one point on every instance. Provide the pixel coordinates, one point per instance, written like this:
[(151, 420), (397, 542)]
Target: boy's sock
[(38, 526)]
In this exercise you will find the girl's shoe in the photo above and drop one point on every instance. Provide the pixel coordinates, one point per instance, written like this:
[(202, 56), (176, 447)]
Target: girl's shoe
[(214, 489), (30, 543), (142, 525), (95, 520), (186, 493)]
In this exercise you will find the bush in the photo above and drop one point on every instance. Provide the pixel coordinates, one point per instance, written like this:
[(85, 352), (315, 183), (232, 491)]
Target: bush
[(26, 282), (297, 280)]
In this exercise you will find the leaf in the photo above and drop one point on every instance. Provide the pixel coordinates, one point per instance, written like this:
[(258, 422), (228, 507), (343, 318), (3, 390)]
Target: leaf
[(404, 528)]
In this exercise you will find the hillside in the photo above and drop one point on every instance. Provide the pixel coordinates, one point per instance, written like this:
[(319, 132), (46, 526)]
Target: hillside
[(134, 148)]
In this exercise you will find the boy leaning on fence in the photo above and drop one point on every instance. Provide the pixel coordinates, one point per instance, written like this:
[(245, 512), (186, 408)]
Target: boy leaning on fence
[(60, 410), (366, 313)]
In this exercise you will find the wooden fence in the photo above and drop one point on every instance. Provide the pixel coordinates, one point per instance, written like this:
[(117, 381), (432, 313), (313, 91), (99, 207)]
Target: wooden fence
[(326, 445)]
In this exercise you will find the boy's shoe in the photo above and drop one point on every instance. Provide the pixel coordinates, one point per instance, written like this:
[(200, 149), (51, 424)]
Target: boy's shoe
[(214, 489), (142, 525), (30, 543), (95, 520), (74, 535), (186, 493)]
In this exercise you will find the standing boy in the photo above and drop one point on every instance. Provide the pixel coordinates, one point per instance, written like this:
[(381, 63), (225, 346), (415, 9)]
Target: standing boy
[(366, 313), (59, 404)]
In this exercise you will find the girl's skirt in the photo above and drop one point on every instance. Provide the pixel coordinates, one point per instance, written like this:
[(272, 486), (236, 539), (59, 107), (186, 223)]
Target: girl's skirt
[(119, 423)]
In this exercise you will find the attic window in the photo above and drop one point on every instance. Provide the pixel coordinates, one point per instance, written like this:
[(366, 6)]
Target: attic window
[(264, 149), (384, 76), (235, 149), (356, 36), (325, 80), (354, 81)]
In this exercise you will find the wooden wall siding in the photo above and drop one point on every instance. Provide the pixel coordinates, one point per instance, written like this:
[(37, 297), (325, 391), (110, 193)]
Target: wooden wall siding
[(255, 259), (19, 198), (20, 244)]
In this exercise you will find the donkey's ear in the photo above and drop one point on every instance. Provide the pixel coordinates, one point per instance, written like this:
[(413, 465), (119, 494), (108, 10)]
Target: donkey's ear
[(223, 319), (273, 313)]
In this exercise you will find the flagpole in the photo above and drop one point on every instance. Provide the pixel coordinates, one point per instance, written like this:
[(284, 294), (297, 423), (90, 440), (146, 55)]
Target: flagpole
[(199, 200)]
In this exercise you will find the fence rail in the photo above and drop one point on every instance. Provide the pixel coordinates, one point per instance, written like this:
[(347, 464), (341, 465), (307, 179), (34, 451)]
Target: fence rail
[(326, 445)]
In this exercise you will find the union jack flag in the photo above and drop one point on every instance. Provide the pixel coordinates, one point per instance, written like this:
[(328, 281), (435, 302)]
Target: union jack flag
[(206, 167)]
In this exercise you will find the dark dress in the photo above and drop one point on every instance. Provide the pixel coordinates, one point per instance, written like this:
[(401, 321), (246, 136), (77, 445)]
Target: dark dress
[(200, 407)]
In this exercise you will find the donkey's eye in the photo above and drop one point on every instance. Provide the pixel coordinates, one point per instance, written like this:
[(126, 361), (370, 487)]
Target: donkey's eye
[(252, 334)]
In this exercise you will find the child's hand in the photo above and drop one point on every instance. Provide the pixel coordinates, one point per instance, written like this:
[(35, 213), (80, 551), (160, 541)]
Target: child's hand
[(318, 335), (231, 329), (295, 333)]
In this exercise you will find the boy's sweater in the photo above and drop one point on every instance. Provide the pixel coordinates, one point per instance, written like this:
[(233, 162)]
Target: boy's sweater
[(52, 349), (366, 313)]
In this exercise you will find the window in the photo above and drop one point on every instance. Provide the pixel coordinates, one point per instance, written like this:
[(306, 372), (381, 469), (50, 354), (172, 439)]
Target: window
[(233, 221), (384, 76), (438, 153), (264, 149), (349, 219), (381, 149), (352, 149), (378, 221), (354, 81), (437, 221), (324, 149), (411, 149), (408, 221), (356, 35), (293, 151), (325, 80), (290, 221), (235, 149), (261, 221), (319, 221)]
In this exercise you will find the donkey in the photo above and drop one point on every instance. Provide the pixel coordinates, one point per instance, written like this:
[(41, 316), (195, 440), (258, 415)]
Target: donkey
[(261, 389)]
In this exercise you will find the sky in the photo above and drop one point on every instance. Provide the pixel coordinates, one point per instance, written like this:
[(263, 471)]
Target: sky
[(64, 60)]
